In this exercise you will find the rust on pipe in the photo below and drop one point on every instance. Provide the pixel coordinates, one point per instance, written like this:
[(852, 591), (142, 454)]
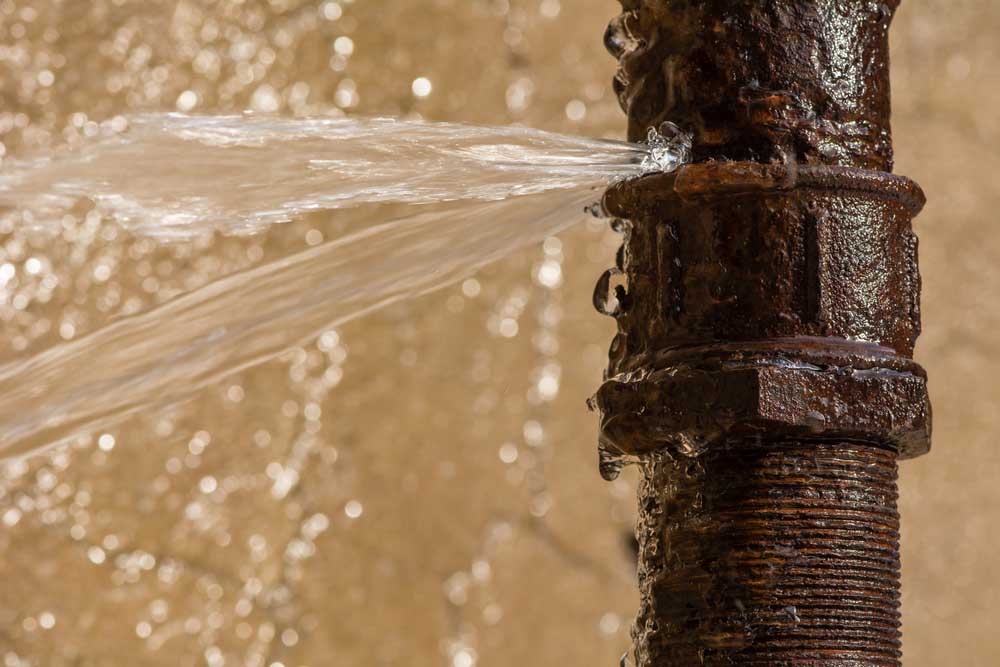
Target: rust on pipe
[(763, 375)]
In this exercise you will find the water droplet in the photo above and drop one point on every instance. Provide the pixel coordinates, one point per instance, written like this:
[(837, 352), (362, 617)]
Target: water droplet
[(353, 509), (331, 11), (343, 45), (610, 623), (792, 613), (549, 274), (422, 86), (618, 39), (187, 100), (576, 110), (610, 298), (508, 452), (669, 148), (610, 461), (595, 210), (550, 8), (620, 226), (687, 445)]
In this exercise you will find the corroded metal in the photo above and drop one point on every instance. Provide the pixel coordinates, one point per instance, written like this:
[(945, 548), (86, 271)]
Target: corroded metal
[(763, 370), (756, 78), (770, 553)]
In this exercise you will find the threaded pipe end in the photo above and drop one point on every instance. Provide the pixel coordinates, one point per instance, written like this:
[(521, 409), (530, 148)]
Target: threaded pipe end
[(770, 553)]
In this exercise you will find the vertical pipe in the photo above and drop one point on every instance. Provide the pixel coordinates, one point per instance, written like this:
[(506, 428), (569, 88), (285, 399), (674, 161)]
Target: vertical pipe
[(763, 372), (771, 553)]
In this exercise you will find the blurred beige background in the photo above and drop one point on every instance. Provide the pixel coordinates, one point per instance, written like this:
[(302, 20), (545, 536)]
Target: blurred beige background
[(411, 490)]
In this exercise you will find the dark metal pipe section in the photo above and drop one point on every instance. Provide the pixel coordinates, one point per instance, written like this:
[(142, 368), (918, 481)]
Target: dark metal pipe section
[(762, 374)]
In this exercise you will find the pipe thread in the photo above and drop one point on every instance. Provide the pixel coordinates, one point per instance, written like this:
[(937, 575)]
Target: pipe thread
[(770, 553)]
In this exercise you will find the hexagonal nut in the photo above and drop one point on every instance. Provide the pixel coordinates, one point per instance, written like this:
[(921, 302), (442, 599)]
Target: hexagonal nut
[(688, 409)]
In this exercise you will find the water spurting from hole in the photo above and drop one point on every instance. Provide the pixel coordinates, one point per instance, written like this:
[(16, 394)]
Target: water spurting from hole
[(478, 194), (177, 176)]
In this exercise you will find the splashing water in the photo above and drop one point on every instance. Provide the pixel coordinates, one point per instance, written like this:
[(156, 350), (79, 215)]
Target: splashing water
[(174, 177), (668, 147)]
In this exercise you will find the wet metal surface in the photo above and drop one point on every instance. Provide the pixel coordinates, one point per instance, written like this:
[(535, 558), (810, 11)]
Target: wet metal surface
[(779, 553), (767, 319), (757, 79)]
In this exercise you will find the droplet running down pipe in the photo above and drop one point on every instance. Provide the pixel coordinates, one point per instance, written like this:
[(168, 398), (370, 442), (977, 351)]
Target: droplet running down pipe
[(762, 375)]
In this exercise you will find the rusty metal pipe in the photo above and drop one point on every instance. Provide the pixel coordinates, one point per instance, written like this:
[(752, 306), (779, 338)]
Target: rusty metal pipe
[(763, 374)]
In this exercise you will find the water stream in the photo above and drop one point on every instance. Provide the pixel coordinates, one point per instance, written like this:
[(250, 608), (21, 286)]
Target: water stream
[(475, 194)]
